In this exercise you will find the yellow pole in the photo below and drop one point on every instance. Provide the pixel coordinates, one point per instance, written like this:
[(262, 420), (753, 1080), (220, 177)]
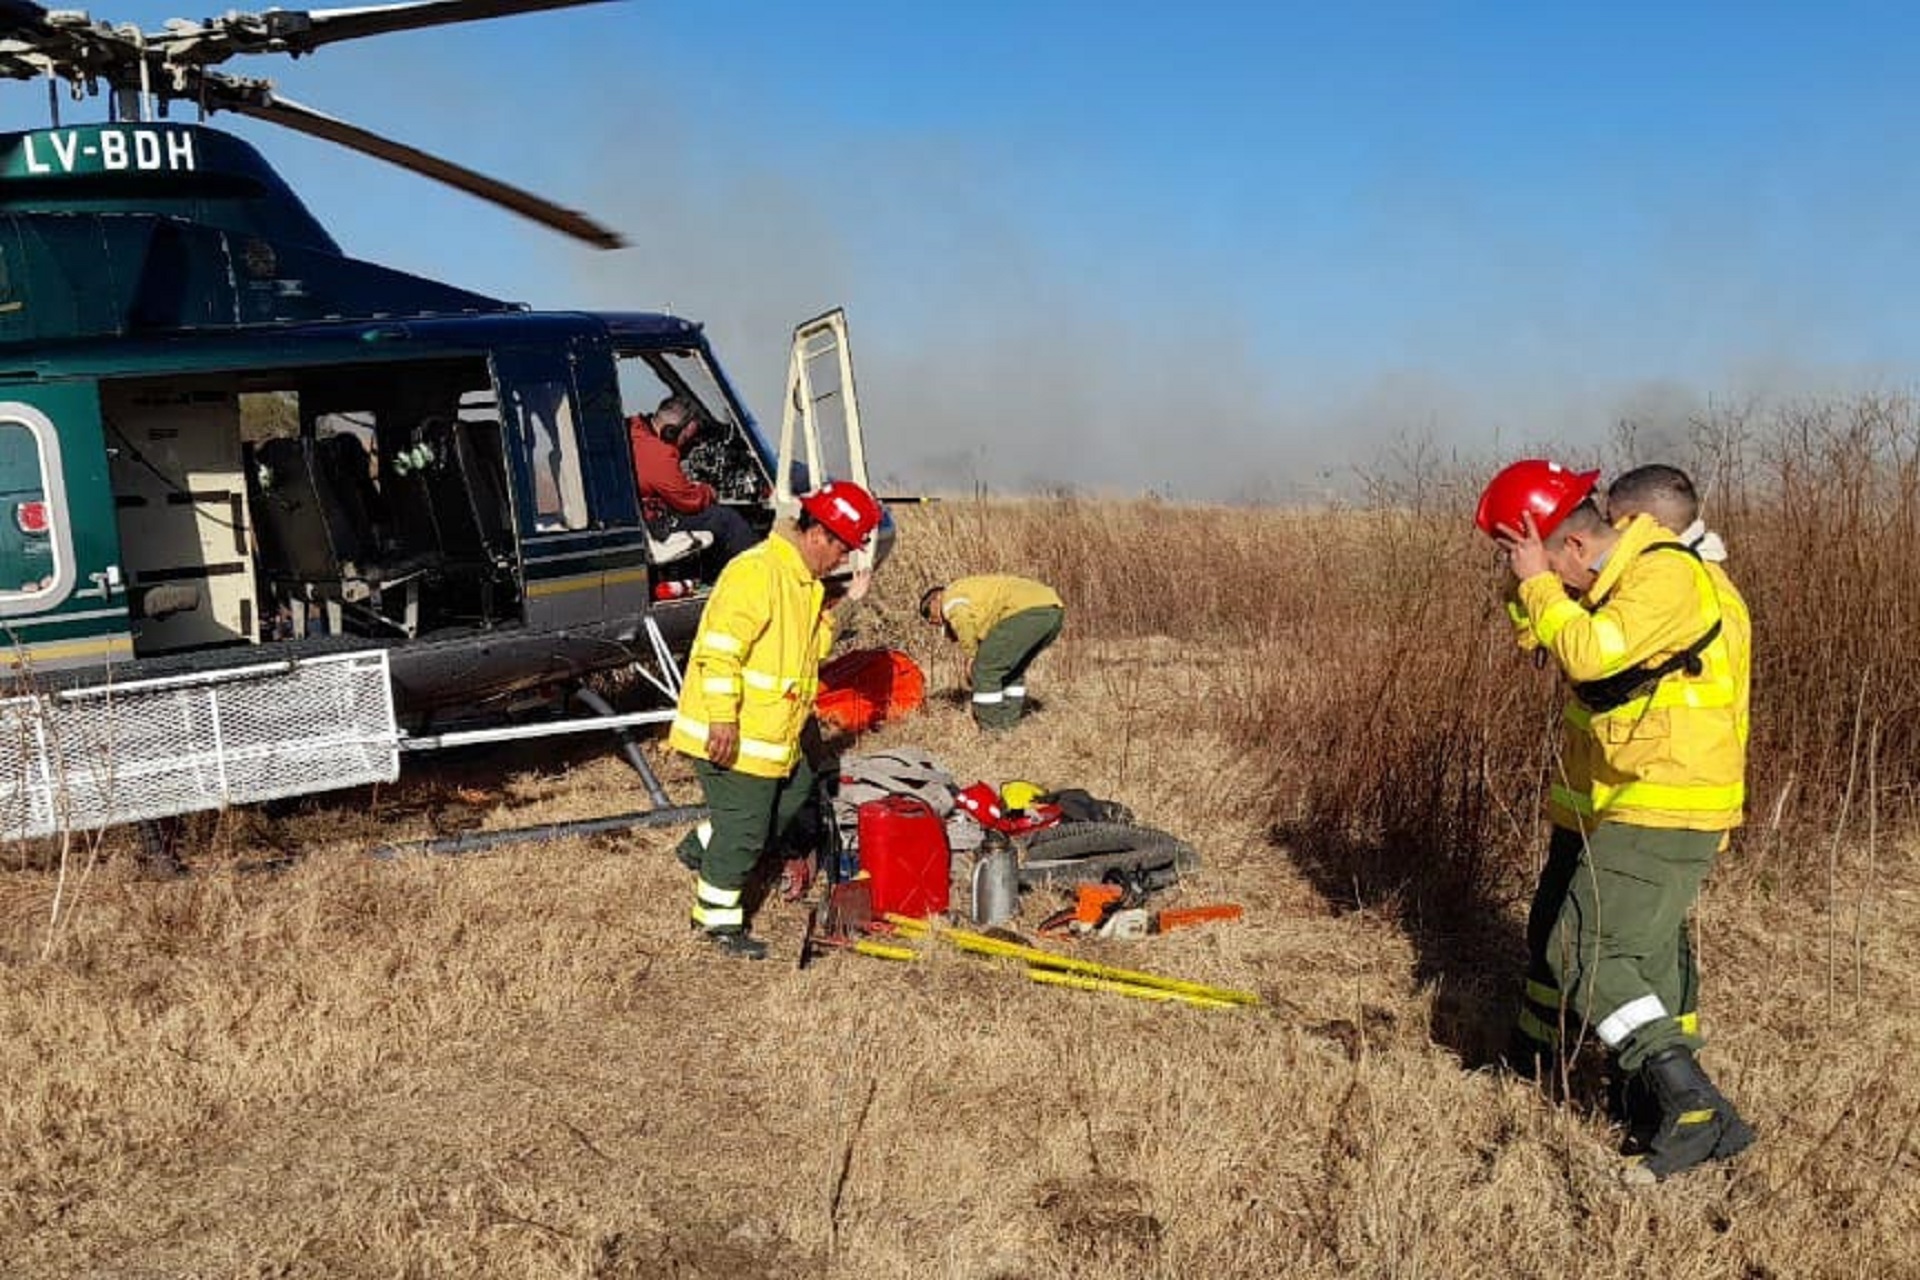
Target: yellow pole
[(981, 944), (1056, 978), (884, 951)]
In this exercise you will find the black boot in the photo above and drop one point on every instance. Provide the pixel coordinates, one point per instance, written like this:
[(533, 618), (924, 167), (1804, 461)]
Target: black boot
[(737, 943), (1691, 1124), (1633, 1109), (1738, 1135)]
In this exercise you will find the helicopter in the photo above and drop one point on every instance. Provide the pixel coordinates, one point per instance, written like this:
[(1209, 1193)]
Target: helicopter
[(271, 514)]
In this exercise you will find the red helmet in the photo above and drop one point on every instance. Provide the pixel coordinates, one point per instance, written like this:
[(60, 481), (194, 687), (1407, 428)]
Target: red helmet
[(843, 509), (1546, 489), (983, 802)]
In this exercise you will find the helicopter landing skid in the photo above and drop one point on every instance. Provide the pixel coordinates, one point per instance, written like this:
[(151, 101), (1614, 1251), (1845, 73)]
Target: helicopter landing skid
[(475, 841), (663, 813), (604, 719)]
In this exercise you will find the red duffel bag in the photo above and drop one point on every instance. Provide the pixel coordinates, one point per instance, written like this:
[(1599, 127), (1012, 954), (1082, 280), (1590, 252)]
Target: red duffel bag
[(867, 687)]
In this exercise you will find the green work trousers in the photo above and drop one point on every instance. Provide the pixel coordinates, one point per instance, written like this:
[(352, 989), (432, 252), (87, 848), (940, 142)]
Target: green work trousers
[(1608, 942), (1000, 665), (1543, 1008), (749, 815)]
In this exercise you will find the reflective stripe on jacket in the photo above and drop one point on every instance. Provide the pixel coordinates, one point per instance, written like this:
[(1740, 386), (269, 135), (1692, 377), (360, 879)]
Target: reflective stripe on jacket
[(756, 659), (1675, 754), (974, 606)]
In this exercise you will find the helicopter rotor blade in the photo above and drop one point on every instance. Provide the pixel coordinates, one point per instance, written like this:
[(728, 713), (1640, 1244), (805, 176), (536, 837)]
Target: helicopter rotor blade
[(22, 16), (256, 100), (330, 25), (299, 31), (36, 42)]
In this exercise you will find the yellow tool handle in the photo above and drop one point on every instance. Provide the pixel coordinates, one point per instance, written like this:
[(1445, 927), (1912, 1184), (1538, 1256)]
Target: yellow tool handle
[(1081, 982), (885, 951), (981, 944)]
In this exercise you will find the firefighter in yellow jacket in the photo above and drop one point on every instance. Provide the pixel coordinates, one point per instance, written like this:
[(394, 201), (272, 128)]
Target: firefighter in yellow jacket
[(748, 695), (1002, 623), (1667, 494), (1651, 778)]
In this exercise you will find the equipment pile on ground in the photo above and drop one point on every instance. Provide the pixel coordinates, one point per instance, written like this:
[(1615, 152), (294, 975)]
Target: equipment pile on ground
[(1041, 966), (898, 816)]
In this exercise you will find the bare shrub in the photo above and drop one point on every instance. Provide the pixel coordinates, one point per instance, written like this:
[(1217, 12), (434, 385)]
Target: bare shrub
[(1821, 504)]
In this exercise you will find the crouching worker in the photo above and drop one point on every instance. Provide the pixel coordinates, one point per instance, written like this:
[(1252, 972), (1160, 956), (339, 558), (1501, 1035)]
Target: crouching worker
[(748, 695), (1002, 623), (1650, 780)]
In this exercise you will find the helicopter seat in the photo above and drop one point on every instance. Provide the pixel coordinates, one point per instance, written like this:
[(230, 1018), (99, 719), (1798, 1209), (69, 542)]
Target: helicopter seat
[(436, 503), (307, 532), (319, 538), (345, 480), (346, 473), (482, 463)]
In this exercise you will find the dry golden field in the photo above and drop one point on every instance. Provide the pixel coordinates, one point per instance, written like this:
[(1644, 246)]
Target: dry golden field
[(301, 1061)]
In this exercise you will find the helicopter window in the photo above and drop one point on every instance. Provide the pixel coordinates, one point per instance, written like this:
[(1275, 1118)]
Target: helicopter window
[(722, 455), (31, 538), (641, 388), (646, 380), (690, 370), (265, 415), (545, 412)]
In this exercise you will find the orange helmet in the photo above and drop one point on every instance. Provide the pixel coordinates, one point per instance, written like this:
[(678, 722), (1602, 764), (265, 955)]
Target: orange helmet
[(1545, 489), (843, 509)]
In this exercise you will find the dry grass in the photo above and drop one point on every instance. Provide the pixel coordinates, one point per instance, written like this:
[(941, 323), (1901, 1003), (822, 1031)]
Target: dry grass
[(304, 1062)]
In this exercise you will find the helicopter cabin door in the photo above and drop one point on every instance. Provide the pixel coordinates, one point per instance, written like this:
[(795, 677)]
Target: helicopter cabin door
[(558, 441), (63, 596), (820, 414), (178, 484)]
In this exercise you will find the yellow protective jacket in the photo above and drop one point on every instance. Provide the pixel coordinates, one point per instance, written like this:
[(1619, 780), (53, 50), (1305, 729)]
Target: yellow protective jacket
[(974, 606), (1737, 625), (1672, 754), (756, 659)]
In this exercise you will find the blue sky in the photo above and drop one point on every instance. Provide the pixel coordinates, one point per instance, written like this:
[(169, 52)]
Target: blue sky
[(1222, 249)]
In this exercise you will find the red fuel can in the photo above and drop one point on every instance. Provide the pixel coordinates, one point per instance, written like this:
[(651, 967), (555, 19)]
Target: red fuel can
[(903, 850)]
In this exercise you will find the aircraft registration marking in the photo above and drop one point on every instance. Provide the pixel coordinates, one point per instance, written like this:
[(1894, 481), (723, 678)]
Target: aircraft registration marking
[(114, 150)]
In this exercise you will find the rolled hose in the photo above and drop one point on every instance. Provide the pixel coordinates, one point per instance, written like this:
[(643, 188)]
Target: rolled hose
[(1086, 851)]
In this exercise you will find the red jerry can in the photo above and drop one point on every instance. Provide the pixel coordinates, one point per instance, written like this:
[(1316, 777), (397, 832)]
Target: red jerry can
[(903, 850)]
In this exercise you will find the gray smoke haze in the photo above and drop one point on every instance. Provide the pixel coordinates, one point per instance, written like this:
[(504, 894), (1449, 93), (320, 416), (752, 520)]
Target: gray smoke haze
[(981, 363), (984, 360)]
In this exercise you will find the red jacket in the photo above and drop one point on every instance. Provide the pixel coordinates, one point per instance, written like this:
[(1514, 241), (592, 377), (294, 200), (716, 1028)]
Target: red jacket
[(663, 485)]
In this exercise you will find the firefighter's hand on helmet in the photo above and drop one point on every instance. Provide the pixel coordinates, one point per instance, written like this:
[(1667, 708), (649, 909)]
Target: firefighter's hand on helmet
[(723, 744), (1526, 553)]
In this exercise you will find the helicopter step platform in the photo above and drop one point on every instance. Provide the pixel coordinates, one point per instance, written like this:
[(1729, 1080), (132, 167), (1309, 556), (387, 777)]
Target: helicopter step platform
[(81, 759)]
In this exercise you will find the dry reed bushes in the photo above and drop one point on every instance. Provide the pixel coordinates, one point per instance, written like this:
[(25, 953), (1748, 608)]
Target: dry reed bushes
[(520, 1065), (1821, 504)]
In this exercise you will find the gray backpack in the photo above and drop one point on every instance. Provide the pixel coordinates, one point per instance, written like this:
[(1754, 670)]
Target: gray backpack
[(900, 771)]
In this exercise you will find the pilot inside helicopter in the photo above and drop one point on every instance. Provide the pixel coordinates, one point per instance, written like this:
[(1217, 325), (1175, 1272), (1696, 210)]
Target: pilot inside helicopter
[(670, 500)]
